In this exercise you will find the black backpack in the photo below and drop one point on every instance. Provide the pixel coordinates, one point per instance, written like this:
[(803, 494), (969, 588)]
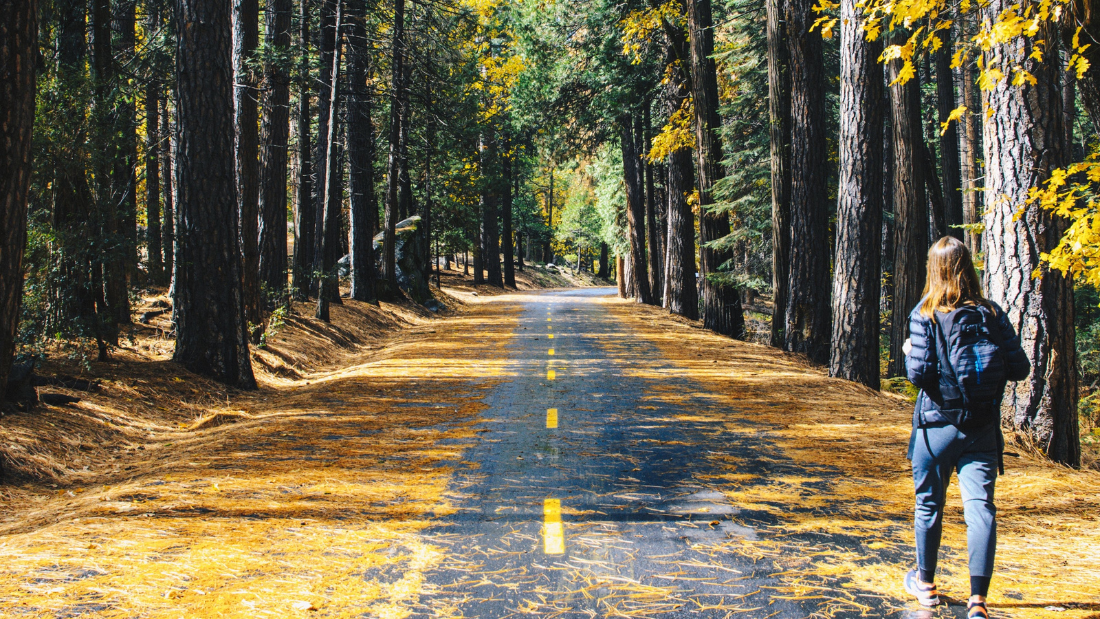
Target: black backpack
[(973, 370)]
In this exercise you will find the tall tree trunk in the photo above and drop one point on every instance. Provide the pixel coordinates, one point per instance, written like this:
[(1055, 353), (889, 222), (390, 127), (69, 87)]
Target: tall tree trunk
[(779, 129), (547, 250), (721, 304), (949, 139), (327, 43), (910, 213), (857, 274), (360, 145), (490, 232), (125, 172), (620, 278), (332, 189), (167, 150), (507, 163), (1024, 141), (393, 169), (635, 213), (208, 306), (652, 228), (683, 295), (605, 262), (274, 132), (969, 146), (152, 180), (18, 47), (73, 216), (807, 327), (246, 38), (304, 212), (111, 256)]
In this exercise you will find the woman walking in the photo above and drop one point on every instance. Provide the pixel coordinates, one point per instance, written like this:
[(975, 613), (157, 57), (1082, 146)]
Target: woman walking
[(961, 353)]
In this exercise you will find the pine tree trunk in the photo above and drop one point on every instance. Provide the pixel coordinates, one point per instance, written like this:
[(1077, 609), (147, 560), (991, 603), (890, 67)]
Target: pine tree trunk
[(507, 165), (211, 337), (949, 139), (246, 38), (857, 273), (304, 211), (111, 253), (969, 145), (635, 213), (779, 116), (360, 144), (910, 214), (652, 228), (274, 132), (332, 189), (807, 327), (167, 149), (18, 53), (547, 250), (152, 180), (620, 276), (683, 295), (326, 43), (721, 304), (1024, 141), (490, 231), (393, 170), (125, 172), (605, 262)]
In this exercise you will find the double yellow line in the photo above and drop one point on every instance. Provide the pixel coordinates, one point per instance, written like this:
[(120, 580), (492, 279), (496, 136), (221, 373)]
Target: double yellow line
[(553, 532)]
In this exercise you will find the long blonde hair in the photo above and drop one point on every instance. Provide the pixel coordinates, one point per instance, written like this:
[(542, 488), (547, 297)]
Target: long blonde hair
[(952, 280)]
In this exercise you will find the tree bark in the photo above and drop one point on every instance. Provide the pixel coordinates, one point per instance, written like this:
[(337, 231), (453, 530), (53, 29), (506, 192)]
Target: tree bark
[(332, 188), (166, 152), (807, 327), (547, 249), (969, 145), (721, 304), (18, 53), (360, 144), (779, 130), (910, 213), (490, 232), (857, 273), (683, 294), (949, 139), (635, 212), (110, 261), (211, 335), (274, 132), (507, 164), (304, 212), (246, 38), (152, 172), (125, 162), (393, 170), (652, 228), (326, 43), (1024, 141)]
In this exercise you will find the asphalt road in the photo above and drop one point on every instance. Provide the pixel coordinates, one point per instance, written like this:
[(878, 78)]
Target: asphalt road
[(585, 494)]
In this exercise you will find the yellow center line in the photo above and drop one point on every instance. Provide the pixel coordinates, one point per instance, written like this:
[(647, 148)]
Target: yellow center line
[(552, 531), (550, 352), (547, 320), (550, 336), (551, 418), (550, 375)]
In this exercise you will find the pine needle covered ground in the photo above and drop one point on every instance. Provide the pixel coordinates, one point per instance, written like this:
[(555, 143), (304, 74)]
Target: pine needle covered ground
[(843, 528)]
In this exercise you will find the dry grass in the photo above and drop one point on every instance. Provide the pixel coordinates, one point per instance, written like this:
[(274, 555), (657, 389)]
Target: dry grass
[(856, 488)]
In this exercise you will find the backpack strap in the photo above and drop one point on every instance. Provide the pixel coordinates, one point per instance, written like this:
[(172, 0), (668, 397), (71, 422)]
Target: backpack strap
[(951, 396)]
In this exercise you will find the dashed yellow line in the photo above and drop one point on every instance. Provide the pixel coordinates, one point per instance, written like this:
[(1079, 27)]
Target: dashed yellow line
[(550, 375), (550, 336), (547, 320), (550, 352), (553, 533), (551, 418)]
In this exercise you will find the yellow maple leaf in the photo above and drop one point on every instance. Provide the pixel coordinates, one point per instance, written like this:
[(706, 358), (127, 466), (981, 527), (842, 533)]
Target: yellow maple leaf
[(955, 115)]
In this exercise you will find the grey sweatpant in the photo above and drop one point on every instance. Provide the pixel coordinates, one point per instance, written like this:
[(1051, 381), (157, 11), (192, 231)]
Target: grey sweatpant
[(937, 450)]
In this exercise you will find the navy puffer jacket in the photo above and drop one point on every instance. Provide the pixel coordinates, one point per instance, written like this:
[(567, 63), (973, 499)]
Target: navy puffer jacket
[(923, 367)]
